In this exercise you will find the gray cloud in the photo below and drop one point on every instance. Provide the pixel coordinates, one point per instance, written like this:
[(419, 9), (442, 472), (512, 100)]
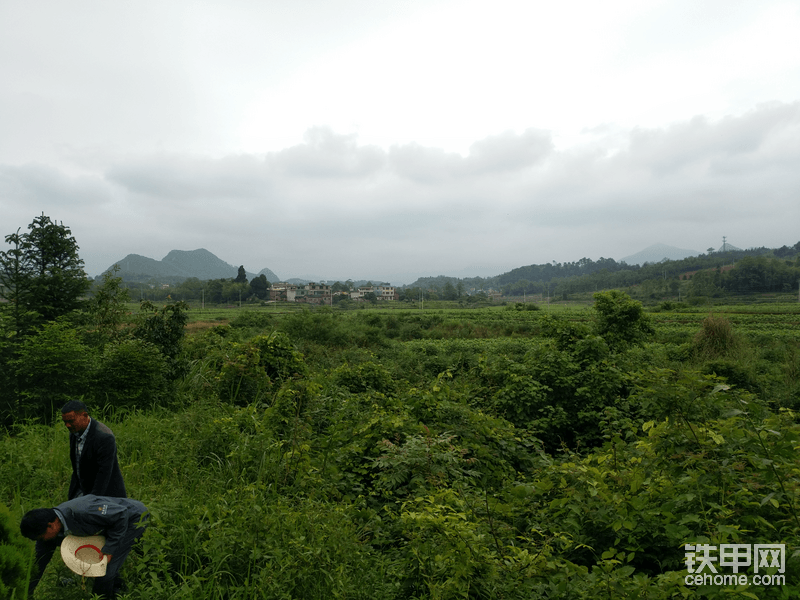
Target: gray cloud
[(336, 208), (47, 186), (505, 152), (327, 154), (191, 177)]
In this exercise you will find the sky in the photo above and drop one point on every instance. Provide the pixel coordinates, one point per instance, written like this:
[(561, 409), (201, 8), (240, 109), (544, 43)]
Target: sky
[(391, 140)]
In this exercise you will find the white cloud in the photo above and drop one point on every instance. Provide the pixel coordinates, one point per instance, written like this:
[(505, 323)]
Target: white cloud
[(361, 138)]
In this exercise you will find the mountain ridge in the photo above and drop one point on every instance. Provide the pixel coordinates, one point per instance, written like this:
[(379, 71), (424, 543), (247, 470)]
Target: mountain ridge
[(204, 265), (200, 263), (657, 253)]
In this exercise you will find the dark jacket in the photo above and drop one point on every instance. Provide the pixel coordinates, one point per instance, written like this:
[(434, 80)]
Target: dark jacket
[(118, 519), (100, 472)]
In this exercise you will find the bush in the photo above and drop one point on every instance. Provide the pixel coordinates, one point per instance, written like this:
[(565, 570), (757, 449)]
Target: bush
[(15, 558), (364, 377), (52, 366), (715, 338), (132, 372), (621, 320)]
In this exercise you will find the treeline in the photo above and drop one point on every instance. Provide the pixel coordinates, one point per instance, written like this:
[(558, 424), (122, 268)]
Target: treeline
[(586, 275), (741, 271), (750, 275)]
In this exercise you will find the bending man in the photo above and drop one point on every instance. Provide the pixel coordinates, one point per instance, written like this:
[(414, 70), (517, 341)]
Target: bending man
[(120, 520)]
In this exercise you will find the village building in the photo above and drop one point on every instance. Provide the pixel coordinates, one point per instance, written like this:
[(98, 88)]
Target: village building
[(382, 292)]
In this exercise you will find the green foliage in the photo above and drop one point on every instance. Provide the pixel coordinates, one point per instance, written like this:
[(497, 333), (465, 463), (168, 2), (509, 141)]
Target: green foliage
[(53, 365), (472, 454), (523, 306), (363, 377), (131, 373), (318, 325), (44, 272), (621, 320), (278, 355), (107, 307), (15, 558), (558, 393), (246, 372), (252, 320), (420, 463), (163, 328), (715, 338)]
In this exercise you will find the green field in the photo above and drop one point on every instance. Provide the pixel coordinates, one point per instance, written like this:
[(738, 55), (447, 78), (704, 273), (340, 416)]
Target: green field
[(396, 452)]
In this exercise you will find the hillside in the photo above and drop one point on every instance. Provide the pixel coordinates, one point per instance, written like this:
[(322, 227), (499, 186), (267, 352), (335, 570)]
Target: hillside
[(182, 264), (657, 253)]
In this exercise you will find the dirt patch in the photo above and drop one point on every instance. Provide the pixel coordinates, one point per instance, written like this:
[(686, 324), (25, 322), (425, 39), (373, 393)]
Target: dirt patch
[(200, 326)]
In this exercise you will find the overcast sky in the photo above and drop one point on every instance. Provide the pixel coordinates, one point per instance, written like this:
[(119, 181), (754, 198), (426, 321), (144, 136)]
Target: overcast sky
[(392, 139)]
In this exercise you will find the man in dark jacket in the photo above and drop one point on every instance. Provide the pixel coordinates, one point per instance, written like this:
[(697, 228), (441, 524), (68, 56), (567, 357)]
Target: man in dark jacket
[(120, 520), (95, 470), (93, 453)]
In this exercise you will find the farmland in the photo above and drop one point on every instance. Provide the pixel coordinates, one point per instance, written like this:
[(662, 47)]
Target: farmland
[(566, 451)]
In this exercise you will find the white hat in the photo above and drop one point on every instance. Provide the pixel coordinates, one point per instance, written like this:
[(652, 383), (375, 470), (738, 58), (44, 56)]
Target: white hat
[(84, 556)]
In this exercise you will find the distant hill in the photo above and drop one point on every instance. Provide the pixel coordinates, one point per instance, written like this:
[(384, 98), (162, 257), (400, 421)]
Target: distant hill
[(182, 264), (658, 252)]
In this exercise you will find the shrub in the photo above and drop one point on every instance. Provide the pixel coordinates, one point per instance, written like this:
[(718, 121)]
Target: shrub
[(15, 556), (621, 320), (280, 359), (364, 377), (252, 319), (715, 338), (131, 373), (52, 366)]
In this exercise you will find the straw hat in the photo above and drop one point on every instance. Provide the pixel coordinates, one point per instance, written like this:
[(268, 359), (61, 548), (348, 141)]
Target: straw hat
[(84, 556)]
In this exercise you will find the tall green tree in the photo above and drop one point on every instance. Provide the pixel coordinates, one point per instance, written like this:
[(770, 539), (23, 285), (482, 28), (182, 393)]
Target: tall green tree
[(53, 365), (107, 306), (259, 286), (42, 275), (241, 276), (14, 286)]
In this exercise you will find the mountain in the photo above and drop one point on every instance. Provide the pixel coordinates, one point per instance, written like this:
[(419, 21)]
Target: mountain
[(182, 264), (658, 252)]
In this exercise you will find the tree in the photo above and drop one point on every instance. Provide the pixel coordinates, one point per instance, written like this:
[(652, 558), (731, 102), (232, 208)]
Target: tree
[(43, 274), (259, 286), (52, 365), (214, 291), (620, 320), (241, 276), (107, 306), (164, 328), (14, 287)]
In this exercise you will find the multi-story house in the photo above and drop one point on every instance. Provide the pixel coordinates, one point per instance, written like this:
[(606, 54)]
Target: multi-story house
[(315, 293)]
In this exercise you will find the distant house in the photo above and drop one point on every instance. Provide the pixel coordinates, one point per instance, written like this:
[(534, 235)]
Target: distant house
[(386, 292), (282, 292), (316, 293), (382, 292)]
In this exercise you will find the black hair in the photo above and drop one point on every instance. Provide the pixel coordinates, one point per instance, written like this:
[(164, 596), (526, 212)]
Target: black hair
[(34, 523), (75, 405)]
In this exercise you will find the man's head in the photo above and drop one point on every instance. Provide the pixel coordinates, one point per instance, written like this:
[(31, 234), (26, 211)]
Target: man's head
[(40, 524), (75, 416)]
